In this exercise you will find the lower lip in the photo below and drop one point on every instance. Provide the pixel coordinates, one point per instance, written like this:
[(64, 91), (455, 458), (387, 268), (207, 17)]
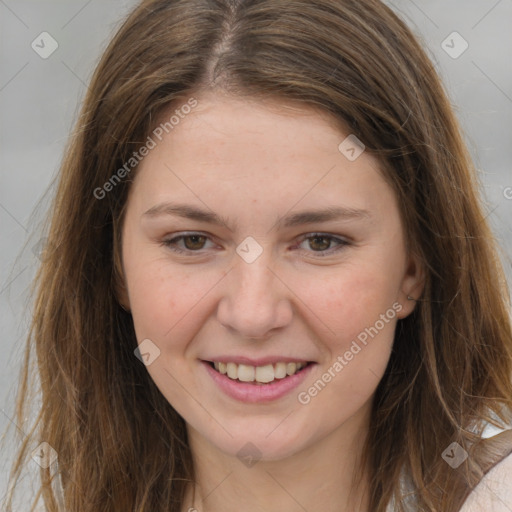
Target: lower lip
[(254, 393)]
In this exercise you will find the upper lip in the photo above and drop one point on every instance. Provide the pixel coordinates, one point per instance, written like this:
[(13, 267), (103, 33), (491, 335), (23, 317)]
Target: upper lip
[(260, 361)]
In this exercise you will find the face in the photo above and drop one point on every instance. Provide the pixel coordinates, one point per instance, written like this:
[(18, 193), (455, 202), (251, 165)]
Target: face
[(251, 240)]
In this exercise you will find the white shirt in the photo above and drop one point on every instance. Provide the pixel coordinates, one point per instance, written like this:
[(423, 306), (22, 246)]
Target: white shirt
[(494, 492)]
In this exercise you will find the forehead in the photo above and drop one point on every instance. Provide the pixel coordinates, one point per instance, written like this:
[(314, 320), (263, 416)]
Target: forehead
[(238, 152), (219, 121)]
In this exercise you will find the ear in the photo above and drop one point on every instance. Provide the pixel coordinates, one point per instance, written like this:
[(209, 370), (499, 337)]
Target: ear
[(122, 295), (413, 283), (120, 289)]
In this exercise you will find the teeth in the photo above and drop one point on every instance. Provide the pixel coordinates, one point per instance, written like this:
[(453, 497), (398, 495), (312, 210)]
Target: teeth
[(265, 373), (261, 374), (246, 373), (280, 370), (232, 371), (291, 368)]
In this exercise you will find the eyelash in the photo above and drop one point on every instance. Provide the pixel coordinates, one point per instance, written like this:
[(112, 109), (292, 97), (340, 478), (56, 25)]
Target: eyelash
[(171, 243)]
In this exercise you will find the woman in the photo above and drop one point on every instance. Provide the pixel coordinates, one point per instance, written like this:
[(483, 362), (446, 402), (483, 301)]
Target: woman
[(268, 273)]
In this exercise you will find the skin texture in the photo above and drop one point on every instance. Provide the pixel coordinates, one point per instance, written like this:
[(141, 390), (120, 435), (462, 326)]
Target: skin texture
[(494, 492), (253, 163)]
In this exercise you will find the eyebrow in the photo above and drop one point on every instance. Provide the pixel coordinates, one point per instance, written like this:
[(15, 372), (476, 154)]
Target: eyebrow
[(295, 219)]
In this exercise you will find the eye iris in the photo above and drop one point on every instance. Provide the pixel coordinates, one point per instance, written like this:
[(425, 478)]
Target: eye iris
[(198, 241), (313, 241)]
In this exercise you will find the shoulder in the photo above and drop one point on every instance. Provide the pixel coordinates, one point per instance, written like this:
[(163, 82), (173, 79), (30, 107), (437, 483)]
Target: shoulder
[(494, 491)]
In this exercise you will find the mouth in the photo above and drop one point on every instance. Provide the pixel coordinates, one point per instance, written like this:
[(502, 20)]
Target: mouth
[(259, 375)]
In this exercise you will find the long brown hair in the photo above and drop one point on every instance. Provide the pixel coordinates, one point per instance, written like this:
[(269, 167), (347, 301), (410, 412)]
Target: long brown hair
[(120, 444)]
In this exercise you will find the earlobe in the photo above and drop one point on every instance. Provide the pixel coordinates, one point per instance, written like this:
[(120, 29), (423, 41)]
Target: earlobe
[(122, 297), (120, 290), (412, 287), (125, 308)]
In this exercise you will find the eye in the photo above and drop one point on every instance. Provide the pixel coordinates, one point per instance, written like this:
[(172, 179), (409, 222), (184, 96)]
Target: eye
[(321, 243), (189, 242)]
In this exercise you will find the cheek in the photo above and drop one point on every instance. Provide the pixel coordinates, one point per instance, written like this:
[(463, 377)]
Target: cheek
[(159, 295), (163, 299), (361, 314), (355, 311), (352, 299)]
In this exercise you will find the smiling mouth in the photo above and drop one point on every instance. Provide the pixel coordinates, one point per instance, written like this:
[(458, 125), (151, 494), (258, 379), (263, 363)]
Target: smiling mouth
[(258, 375)]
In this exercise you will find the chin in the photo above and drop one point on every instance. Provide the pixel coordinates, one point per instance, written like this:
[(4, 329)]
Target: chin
[(259, 442)]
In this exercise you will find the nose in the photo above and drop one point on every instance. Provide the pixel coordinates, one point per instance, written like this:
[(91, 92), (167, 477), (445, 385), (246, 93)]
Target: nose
[(255, 302)]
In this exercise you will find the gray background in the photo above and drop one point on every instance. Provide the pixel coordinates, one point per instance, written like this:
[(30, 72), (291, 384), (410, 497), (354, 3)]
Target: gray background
[(39, 101)]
